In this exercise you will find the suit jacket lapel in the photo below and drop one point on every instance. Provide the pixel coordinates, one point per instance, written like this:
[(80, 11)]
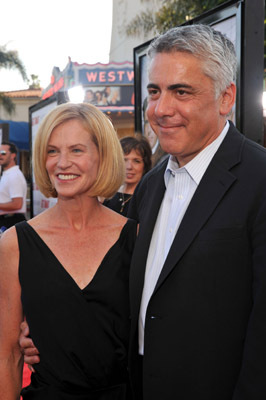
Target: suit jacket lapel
[(213, 186), (153, 200)]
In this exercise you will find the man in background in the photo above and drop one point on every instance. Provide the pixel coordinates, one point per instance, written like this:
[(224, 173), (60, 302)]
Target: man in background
[(13, 188)]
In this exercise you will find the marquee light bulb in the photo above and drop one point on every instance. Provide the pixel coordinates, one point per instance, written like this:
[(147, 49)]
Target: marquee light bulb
[(76, 94)]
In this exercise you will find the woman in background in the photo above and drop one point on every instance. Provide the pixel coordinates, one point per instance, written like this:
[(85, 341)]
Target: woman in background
[(67, 269), (137, 156)]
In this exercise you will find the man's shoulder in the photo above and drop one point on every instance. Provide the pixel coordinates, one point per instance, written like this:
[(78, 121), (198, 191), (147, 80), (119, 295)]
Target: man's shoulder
[(151, 177), (16, 172), (254, 147), (146, 187), (156, 171), (254, 154), (236, 144), (14, 176)]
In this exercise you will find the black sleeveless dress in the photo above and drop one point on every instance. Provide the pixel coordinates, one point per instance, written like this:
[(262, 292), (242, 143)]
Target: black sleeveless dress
[(82, 335), (119, 203)]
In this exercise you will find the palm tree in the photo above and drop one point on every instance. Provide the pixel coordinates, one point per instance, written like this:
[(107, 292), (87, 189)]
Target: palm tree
[(171, 13), (9, 59)]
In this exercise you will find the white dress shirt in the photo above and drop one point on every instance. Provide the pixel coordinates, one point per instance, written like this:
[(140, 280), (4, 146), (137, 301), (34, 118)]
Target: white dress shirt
[(181, 184), (13, 184)]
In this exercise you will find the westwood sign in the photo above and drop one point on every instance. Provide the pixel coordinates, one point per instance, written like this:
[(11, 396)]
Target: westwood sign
[(113, 74), (106, 74)]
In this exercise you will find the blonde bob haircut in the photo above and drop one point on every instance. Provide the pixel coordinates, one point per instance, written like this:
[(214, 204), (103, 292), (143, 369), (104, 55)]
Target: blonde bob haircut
[(111, 159)]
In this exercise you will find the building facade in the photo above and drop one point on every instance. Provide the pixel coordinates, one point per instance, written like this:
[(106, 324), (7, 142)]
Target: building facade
[(122, 45)]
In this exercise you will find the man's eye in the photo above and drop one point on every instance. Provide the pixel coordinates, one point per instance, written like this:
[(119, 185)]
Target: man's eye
[(181, 92), (153, 92)]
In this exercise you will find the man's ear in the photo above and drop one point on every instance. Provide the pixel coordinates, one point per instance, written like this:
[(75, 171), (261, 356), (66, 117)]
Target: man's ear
[(228, 98), (13, 156)]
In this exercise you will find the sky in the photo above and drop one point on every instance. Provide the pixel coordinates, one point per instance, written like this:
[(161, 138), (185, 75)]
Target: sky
[(46, 32)]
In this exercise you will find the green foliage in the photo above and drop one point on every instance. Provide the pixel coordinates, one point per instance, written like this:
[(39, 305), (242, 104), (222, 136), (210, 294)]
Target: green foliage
[(144, 21), (35, 82), (10, 60), (172, 13), (8, 104)]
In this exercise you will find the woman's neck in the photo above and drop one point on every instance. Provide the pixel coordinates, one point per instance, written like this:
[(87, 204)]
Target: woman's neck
[(129, 188), (78, 213)]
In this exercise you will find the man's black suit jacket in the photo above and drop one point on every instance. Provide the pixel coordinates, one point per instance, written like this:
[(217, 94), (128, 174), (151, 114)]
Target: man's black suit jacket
[(205, 332)]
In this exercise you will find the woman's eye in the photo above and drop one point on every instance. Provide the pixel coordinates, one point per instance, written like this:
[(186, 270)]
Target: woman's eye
[(51, 151), (77, 150)]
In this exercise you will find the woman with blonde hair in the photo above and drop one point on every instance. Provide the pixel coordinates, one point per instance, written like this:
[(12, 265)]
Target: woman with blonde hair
[(66, 270)]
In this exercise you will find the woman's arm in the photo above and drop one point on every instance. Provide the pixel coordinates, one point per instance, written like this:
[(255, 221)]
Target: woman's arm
[(11, 316)]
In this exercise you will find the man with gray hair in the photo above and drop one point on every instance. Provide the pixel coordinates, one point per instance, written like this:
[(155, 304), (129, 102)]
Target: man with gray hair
[(198, 273)]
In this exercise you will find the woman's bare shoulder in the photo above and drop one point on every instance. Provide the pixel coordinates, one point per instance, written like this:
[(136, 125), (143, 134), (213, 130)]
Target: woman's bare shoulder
[(9, 251), (9, 238), (42, 221), (113, 218)]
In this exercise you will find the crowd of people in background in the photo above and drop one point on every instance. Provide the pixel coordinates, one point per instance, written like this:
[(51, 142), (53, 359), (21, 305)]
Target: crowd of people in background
[(108, 96)]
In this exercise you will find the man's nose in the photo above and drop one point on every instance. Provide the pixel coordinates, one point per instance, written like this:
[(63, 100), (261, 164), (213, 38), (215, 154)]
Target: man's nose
[(164, 105)]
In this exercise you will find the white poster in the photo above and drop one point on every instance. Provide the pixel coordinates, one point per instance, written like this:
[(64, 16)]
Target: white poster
[(40, 202), (228, 28), (1, 138)]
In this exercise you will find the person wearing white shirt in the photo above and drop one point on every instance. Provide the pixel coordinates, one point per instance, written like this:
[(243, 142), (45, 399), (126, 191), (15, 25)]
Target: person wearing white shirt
[(198, 272), (13, 188)]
